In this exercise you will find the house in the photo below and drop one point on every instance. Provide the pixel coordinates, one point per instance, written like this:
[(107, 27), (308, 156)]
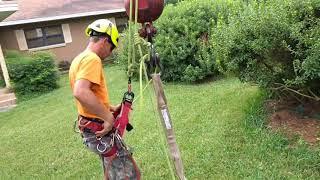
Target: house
[(7, 98), (58, 25)]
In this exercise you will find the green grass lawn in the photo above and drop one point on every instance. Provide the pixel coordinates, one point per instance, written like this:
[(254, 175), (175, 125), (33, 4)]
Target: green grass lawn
[(219, 128)]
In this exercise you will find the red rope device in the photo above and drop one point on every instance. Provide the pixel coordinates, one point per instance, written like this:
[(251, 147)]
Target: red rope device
[(148, 10)]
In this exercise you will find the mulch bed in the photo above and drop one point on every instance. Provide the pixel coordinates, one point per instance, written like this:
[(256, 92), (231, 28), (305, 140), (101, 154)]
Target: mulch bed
[(294, 118)]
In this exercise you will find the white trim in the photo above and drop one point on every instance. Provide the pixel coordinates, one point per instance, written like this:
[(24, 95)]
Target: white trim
[(69, 16), (66, 33), (21, 39), (8, 8), (113, 20), (4, 69), (48, 47)]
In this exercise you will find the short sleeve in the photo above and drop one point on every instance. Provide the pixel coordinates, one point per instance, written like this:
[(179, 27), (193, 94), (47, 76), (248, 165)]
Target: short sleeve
[(90, 69)]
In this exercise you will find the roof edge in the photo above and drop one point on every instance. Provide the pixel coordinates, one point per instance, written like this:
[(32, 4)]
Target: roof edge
[(61, 17)]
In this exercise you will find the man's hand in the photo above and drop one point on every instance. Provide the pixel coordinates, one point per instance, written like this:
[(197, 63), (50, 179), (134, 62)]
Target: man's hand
[(107, 124), (107, 127)]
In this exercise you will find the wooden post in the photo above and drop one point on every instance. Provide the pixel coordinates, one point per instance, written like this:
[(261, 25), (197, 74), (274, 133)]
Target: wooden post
[(167, 125), (4, 69)]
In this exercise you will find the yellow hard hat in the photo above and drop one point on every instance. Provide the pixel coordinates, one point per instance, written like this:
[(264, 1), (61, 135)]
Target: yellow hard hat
[(104, 26)]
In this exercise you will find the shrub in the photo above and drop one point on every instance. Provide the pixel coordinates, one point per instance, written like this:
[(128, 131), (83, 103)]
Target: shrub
[(182, 41), (122, 51), (32, 73), (306, 31), (250, 43), (273, 43), (2, 82), (172, 1)]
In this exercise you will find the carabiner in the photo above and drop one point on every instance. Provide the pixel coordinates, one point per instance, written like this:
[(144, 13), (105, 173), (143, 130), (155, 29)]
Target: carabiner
[(102, 146)]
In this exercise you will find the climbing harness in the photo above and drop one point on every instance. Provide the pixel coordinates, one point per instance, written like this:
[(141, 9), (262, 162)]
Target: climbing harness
[(117, 157)]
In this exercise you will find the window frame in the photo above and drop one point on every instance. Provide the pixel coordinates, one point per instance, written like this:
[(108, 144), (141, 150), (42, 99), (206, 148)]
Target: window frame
[(45, 37)]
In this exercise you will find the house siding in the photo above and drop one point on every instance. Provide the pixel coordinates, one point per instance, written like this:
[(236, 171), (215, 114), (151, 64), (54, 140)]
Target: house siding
[(8, 39), (79, 42)]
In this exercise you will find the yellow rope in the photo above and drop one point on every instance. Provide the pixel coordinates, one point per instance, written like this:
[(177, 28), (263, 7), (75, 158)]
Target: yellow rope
[(130, 62), (135, 99)]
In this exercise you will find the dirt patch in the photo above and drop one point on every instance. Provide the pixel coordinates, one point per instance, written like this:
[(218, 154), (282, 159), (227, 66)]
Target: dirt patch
[(294, 118)]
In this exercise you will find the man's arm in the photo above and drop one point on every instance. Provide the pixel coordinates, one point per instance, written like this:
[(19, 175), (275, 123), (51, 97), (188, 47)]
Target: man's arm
[(83, 93)]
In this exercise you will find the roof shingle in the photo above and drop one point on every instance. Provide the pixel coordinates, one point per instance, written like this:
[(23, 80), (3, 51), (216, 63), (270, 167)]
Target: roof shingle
[(32, 9)]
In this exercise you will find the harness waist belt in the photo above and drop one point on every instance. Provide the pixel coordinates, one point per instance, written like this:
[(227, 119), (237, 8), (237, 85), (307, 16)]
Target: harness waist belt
[(96, 120)]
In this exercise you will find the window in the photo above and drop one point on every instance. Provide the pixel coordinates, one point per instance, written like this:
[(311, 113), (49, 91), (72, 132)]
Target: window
[(44, 36)]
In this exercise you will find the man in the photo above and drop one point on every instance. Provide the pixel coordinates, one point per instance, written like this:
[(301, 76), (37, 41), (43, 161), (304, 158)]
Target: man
[(87, 81)]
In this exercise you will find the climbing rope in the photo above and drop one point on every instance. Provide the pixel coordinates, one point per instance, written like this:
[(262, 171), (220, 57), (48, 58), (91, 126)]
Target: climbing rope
[(138, 42)]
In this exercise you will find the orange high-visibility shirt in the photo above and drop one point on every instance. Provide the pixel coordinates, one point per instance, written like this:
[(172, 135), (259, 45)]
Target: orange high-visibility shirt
[(88, 65)]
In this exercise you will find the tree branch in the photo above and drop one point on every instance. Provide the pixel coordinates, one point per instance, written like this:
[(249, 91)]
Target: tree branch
[(313, 94), (285, 88)]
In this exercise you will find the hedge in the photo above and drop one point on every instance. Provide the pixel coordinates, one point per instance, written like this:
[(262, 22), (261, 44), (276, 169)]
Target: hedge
[(33, 72), (273, 43)]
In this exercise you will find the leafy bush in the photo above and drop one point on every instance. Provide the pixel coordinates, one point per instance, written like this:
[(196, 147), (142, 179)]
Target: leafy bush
[(2, 82), (122, 51), (183, 41), (32, 73), (273, 43), (250, 42), (172, 1), (306, 32)]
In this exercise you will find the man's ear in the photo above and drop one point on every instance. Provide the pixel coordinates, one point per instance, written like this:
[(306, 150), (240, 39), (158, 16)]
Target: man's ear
[(107, 42)]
